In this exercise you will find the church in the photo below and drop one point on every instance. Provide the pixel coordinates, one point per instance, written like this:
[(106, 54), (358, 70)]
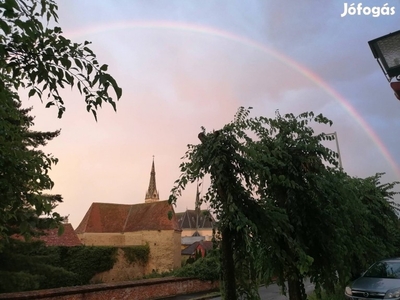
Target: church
[(120, 225), (197, 225)]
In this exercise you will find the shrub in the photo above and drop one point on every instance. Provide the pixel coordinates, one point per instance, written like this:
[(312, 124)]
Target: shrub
[(87, 261), (31, 265), (206, 268)]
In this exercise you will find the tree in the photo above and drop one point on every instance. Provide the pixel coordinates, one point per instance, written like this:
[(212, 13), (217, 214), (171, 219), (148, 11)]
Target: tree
[(37, 57), (285, 209), (24, 208)]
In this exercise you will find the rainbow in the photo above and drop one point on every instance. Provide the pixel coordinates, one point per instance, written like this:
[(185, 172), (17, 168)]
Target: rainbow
[(201, 29)]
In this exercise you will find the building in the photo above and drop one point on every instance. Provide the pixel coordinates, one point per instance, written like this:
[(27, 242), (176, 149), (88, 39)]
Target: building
[(111, 224), (201, 247), (68, 238), (197, 224), (50, 237)]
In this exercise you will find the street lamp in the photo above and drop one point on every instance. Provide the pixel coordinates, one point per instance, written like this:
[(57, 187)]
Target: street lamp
[(386, 50)]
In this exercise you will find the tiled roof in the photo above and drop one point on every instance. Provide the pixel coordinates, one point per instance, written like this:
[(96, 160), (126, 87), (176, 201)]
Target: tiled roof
[(68, 238), (109, 217), (187, 219), (188, 240), (207, 245)]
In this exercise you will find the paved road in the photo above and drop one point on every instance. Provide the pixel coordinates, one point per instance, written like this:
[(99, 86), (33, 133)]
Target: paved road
[(271, 292)]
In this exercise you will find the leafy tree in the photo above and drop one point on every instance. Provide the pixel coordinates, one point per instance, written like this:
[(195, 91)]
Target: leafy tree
[(24, 208), (285, 209), (37, 57), (372, 224)]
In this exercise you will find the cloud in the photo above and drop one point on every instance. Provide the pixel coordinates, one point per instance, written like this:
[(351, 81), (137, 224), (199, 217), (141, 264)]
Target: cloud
[(175, 81)]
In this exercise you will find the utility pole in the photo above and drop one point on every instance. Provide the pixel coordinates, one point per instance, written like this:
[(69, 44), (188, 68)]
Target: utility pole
[(338, 149)]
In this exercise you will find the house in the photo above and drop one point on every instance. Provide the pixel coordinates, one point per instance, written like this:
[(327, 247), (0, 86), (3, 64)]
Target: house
[(68, 238), (51, 238), (197, 248), (111, 224)]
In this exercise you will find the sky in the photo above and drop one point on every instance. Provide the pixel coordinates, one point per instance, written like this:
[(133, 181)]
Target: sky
[(183, 64)]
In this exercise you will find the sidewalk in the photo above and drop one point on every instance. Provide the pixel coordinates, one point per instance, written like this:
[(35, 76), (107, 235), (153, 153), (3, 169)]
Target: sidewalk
[(270, 292), (196, 296)]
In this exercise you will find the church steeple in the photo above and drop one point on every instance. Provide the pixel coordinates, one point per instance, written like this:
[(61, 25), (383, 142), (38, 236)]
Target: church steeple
[(197, 202), (152, 193), (197, 208)]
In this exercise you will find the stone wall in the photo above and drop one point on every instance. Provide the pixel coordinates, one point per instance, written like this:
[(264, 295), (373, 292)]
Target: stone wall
[(135, 290), (165, 246), (122, 270), (165, 249)]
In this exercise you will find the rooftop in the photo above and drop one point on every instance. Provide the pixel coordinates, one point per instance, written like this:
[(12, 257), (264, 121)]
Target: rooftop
[(111, 217)]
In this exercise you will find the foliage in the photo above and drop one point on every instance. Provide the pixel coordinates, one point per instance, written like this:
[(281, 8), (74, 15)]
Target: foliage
[(337, 294), (32, 265), (204, 268), (29, 266), (139, 253), (285, 209), (86, 261), (157, 274), (35, 56), (197, 255), (24, 208)]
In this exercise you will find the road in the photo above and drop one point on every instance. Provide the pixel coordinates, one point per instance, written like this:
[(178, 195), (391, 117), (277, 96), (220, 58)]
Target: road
[(273, 292)]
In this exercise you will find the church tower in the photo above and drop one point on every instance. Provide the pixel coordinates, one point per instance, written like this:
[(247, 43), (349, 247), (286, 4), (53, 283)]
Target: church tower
[(152, 193)]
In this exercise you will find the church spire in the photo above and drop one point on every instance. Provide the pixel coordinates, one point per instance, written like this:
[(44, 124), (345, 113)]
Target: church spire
[(197, 207), (152, 193), (197, 202)]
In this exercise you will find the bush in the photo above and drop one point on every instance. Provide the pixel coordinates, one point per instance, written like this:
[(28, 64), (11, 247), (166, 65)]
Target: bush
[(18, 281), (87, 261), (31, 265), (206, 268)]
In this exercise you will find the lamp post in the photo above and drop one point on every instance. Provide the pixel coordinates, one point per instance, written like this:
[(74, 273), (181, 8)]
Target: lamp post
[(337, 147), (386, 50)]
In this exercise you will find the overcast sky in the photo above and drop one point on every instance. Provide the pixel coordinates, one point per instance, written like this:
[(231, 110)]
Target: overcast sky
[(186, 64)]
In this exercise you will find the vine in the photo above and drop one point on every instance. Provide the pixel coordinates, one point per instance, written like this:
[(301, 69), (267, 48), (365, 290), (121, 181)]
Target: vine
[(139, 253)]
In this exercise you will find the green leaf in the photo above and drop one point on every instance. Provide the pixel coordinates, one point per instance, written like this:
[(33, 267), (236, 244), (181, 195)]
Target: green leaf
[(48, 104), (5, 27), (94, 114), (89, 69), (31, 93), (78, 63)]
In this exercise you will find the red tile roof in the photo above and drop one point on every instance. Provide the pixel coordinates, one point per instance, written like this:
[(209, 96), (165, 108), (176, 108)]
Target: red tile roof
[(68, 238), (109, 217)]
